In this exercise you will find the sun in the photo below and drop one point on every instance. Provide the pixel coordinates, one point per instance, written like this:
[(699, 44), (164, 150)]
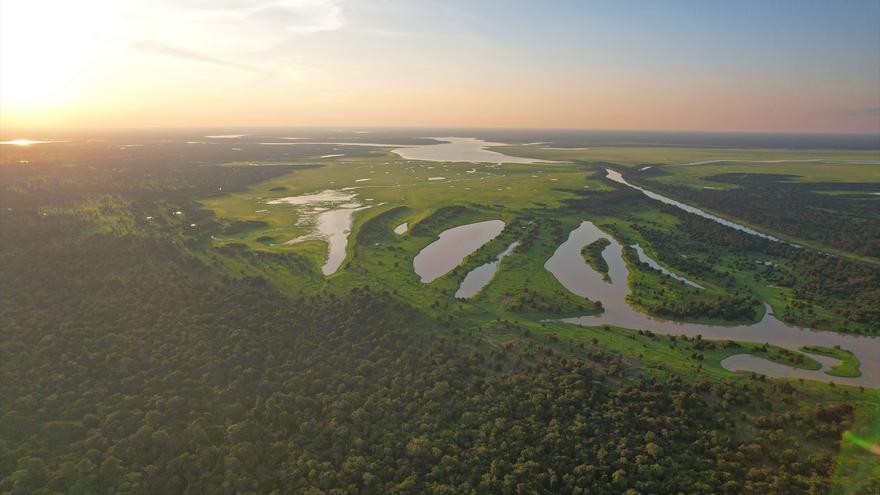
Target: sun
[(50, 49)]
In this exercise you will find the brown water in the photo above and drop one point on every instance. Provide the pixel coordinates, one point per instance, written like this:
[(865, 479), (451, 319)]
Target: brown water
[(450, 249), (480, 276), (569, 267)]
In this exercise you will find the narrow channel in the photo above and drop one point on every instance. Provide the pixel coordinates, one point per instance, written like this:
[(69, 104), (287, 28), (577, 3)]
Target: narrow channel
[(617, 177)]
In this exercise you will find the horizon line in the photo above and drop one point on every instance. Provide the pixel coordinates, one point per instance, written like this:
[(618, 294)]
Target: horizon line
[(10, 130)]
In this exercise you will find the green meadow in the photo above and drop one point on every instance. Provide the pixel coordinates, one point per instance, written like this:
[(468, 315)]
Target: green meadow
[(631, 156), (849, 364), (534, 202)]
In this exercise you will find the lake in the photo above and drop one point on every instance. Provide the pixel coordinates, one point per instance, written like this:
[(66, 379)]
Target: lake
[(452, 247), (459, 149)]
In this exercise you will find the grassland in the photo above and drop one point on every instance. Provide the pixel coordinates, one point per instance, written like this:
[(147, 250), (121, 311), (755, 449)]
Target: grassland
[(387, 179), (632, 156), (697, 176), (849, 364), (530, 199)]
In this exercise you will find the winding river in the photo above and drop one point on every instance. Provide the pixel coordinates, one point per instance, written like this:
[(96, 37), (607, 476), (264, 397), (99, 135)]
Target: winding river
[(617, 177), (569, 267)]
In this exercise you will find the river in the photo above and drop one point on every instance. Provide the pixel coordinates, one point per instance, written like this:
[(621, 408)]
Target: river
[(568, 266)]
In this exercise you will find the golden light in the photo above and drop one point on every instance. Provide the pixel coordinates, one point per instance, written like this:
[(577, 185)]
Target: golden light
[(27, 142), (51, 49)]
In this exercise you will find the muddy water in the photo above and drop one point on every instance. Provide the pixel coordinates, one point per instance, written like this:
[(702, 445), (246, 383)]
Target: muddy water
[(569, 267), (480, 276), (450, 249)]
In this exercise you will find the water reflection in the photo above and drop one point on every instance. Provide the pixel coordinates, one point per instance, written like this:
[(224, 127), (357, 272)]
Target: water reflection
[(617, 177), (569, 267), (330, 212), (459, 149), (480, 276), (450, 249)]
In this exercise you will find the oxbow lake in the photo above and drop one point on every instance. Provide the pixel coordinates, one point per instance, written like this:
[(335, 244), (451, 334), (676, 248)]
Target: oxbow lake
[(480, 276), (452, 247)]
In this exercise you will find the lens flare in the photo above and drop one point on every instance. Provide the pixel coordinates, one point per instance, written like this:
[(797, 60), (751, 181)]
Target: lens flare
[(873, 448)]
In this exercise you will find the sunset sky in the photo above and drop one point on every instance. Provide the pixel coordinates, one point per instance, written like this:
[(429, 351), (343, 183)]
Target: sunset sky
[(694, 65)]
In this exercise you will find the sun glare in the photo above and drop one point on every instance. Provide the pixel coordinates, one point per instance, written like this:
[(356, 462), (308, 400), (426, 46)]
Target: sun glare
[(50, 49), (26, 142)]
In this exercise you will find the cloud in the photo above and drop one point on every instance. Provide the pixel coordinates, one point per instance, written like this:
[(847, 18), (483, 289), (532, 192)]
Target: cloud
[(270, 16), (184, 54), (300, 16), (236, 34)]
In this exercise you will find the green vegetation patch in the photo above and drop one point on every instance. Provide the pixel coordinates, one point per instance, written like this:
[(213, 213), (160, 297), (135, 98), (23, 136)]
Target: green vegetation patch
[(592, 253), (849, 364), (688, 158)]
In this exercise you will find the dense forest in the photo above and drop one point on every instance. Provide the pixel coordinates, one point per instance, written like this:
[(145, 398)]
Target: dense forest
[(847, 288), (850, 222), (130, 364)]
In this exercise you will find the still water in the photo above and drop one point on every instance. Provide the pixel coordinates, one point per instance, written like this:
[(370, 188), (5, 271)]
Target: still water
[(617, 177), (452, 247), (480, 276), (569, 267), (459, 149), (330, 215), (644, 258)]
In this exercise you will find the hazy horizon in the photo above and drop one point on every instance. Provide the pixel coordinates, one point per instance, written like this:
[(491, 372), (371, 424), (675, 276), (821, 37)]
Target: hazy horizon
[(744, 67)]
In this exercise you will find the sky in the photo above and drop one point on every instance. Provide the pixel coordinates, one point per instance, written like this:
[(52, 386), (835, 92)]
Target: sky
[(774, 65)]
